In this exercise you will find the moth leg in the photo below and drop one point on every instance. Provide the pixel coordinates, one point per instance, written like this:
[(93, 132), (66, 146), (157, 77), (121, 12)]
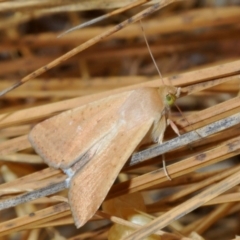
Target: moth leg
[(159, 131), (164, 166), (178, 92), (175, 129), (160, 138), (173, 126)]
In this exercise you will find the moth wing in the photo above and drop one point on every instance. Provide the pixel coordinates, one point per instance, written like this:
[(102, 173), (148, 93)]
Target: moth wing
[(90, 185), (65, 138)]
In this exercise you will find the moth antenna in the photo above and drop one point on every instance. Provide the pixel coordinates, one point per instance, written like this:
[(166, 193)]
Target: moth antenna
[(150, 52), (153, 59), (105, 16)]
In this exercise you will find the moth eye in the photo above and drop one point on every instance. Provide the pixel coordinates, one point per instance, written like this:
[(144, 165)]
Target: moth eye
[(170, 98)]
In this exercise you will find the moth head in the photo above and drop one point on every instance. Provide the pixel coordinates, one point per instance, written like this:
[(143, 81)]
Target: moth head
[(169, 94), (170, 99)]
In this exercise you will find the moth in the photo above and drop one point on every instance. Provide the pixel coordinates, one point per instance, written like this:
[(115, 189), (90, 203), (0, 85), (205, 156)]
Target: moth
[(93, 142)]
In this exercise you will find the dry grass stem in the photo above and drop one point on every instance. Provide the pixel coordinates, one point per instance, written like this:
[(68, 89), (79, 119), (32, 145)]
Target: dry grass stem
[(196, 47)]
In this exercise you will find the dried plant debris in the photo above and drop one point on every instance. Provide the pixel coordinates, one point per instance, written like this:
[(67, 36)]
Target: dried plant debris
[(195, 46)]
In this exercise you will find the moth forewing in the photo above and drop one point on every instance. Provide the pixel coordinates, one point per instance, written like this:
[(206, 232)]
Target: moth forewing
[(64, 138), (90, 185), (111, 129)]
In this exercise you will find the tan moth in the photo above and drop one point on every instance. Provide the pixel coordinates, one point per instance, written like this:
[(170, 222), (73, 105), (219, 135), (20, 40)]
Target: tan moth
[(93, 142)]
